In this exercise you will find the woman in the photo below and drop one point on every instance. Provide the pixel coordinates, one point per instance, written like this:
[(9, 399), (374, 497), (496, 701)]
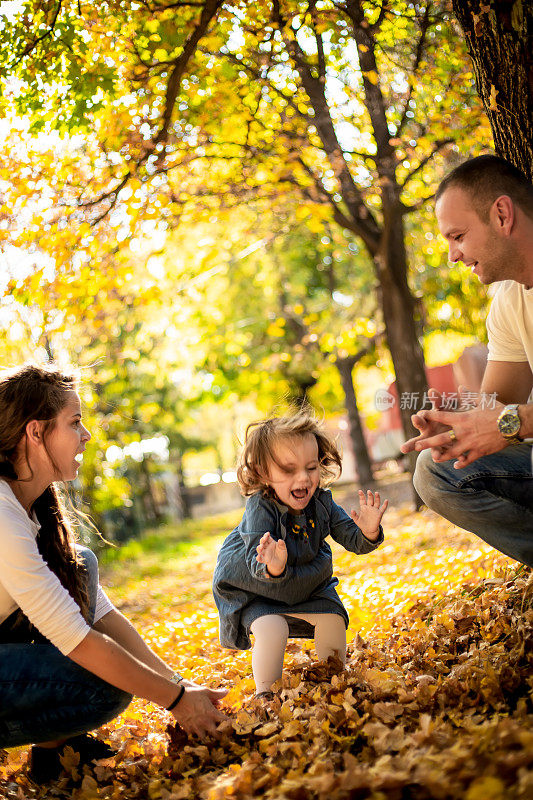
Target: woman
[(69, 661)]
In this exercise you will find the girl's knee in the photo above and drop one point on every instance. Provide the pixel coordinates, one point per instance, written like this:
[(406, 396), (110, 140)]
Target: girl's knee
[(330, 622), (330, 636), (271, 625)]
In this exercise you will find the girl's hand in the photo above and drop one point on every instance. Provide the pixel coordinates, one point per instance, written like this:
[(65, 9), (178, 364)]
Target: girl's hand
[(370, 514), (197, 711), (272, 553)]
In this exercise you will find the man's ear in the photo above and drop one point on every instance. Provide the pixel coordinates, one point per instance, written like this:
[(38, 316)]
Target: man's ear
[(503, 214), (34, 432)]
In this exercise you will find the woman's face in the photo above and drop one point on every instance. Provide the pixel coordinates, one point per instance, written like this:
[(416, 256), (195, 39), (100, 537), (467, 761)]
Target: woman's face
[(67, 440)]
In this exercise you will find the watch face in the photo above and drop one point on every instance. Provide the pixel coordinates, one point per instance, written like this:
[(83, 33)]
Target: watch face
[(509, 424)]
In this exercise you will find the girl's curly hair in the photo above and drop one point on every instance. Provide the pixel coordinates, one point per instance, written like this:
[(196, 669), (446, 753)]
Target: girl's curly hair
[(260, 443)]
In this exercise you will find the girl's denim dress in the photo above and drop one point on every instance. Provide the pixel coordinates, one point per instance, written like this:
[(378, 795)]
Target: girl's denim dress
[(244, 590)]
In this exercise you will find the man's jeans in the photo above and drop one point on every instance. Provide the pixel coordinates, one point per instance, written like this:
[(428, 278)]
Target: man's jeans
[(44, 695), (492, 497)]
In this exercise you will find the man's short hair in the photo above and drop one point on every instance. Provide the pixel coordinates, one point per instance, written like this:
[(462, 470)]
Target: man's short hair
[(486, 178)]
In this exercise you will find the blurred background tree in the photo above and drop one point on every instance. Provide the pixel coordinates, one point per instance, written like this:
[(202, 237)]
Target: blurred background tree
[(216, 208)]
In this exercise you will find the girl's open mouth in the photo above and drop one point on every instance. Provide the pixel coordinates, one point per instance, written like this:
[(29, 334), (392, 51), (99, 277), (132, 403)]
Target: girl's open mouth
[(300, 494)]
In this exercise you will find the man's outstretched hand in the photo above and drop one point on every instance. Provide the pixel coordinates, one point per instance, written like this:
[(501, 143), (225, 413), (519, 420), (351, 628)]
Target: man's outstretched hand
[(461, 435), (468, 435), (428, 428)]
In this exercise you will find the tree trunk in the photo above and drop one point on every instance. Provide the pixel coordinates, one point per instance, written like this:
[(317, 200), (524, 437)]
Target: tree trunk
[(183, 497), (399, 313), (386, 243), (299, 388), (499, 35), (359, 448), (151, 503), (49, 350), (399, 317)]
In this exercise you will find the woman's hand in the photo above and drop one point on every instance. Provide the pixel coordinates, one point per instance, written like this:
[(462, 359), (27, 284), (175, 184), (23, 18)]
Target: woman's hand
[(197, 711), (272, 553), (370, 514), (142, 673)]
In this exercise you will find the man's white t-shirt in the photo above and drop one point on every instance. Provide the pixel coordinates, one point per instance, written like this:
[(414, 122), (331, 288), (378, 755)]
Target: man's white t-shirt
[(510, 324), (26, 581)]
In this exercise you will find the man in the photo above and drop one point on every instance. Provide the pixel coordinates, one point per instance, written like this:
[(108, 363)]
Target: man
[(475, 468)]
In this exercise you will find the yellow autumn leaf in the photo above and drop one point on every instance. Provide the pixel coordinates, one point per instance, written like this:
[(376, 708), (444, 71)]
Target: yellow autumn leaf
[(488, 788), (371, 76), (493, 105)]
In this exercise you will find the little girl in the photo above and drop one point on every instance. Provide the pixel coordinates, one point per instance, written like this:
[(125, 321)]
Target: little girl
[(274, 573)]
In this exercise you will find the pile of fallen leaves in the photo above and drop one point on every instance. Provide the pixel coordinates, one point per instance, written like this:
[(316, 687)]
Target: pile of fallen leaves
[(435, 701)]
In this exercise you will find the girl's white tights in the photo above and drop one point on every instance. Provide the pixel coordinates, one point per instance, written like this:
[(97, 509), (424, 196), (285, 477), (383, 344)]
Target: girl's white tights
[(271, 633)]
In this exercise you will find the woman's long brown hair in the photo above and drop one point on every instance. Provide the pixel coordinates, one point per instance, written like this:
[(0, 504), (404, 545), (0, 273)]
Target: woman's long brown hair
[(34, 392)]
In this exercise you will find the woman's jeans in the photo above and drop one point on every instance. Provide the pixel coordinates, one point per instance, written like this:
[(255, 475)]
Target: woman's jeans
[(44, 695), (492, 497)]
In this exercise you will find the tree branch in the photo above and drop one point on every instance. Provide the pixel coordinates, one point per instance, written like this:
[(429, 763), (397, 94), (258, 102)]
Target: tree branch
[(416, 206), (424, 25), (255, 72), (315, 89), (381, 16), (351, 361), (436, 147), (28, 49), (210, 8), (358, 227)]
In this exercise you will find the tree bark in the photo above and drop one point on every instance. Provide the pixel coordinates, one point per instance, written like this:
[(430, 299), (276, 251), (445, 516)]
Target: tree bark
[(385, 243), (399, 317), (181, 488), (359, 449), (499, 35), (149, 498), (299, 389)]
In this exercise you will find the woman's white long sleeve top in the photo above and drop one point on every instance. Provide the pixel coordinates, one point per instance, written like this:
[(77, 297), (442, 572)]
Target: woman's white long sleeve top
[(26, 581)]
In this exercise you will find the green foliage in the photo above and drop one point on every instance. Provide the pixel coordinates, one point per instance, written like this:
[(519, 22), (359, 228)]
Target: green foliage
[(206, 199), (274, 315)]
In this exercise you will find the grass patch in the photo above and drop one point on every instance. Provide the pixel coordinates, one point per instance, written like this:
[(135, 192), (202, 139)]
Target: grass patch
[(158, 549)]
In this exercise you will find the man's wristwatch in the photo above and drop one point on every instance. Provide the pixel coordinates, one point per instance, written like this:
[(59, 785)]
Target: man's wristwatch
[(176, 678), (509, 423)]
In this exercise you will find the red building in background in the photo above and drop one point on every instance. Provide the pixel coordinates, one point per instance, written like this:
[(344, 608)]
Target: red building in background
[(384, 442)]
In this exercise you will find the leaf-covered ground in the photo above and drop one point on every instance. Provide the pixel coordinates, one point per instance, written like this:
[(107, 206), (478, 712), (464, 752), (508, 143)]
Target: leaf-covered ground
[(435, 702)]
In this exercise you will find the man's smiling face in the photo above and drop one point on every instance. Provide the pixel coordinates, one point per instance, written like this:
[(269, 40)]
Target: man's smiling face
[(477, 243)]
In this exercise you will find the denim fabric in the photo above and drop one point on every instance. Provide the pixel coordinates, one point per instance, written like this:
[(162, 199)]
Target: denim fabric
[(46, 696), (43, 694), (90, 562), (492, 497), (242, 587)]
